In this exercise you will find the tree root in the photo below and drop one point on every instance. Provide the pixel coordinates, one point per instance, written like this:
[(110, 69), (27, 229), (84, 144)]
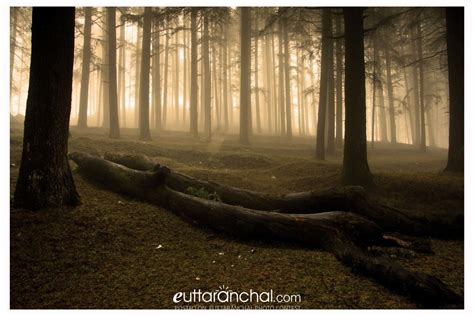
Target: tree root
[(345, 234), (345, 199)]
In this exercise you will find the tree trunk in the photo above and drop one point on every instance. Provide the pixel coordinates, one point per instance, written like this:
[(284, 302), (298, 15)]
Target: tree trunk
[(86, 58), (176, 78), (304, 105), (355, 168), (313, 98), (391, 105), (20, 86), (419, 46), (202, 82), (299, 87), (121, 77), (409, 103), (113, 102), (105, 72), (230, 87), (207, 79), (13, 31), (99, 93), (429, 122), (274, 82), (281, 79), (216, 83), (165, 81), (268, 80), (323, 85), (157, 77), (257, 88), (289, 114), (339, 73), (330, 102), (193, 121), (374, 86), (144, 120), (455, 40), (381, 107), (347, 199), (382, 116), (185, 73), (343, 233), (137, 77), (245, 101), (416, 89), (45, 179), (225, 96)]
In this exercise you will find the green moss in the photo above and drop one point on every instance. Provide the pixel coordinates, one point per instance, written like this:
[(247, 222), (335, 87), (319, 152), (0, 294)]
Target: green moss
[(203, 194)]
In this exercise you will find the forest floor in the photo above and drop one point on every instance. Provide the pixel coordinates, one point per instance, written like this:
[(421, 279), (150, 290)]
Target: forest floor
[(117, 252)]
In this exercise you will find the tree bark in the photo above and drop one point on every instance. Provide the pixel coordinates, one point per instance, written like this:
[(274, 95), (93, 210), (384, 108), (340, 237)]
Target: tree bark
[(339, 74), (391, 105), (105, 72), (302, 85), (13, 32), (274, 81), (374, 86), (144, 118), (281, 79), (99, 93), (343, 233), (157, 76), (455, 40), (323, 86), (299, 88), (45, 179), (245, 101), (416, 89), (215, 72), (331, 107), (185, 72), (86, 59), (137, 77), (207, 79), (355, 168), (165, 82), (419, 46), (268, 69), (193, 121), (257, 88), (114, 131), (382, 117), (176, 77), (348, 199), (225, 82), (408, 102), (288, 108), (230, 87), (121, 75)]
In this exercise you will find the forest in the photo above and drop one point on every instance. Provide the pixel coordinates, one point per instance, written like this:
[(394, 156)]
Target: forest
[(309, 150)]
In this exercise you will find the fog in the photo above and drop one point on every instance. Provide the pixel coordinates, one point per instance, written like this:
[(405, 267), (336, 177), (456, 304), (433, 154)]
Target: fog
[(400, 44), (301, 150)]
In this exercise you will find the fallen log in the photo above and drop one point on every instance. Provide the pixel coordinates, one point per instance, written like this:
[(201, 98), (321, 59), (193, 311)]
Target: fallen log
[(344, 234), (346, 199), (408, 242)]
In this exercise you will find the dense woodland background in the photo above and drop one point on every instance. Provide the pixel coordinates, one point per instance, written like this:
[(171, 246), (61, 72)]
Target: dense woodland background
[(185, 64), (294, 131)]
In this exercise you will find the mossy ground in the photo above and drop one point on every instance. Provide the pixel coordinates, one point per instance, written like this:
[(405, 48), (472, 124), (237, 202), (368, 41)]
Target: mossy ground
[(105, 253)]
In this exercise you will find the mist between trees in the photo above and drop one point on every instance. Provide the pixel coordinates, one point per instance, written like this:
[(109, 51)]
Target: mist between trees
[(343, 80), (250, 71)]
